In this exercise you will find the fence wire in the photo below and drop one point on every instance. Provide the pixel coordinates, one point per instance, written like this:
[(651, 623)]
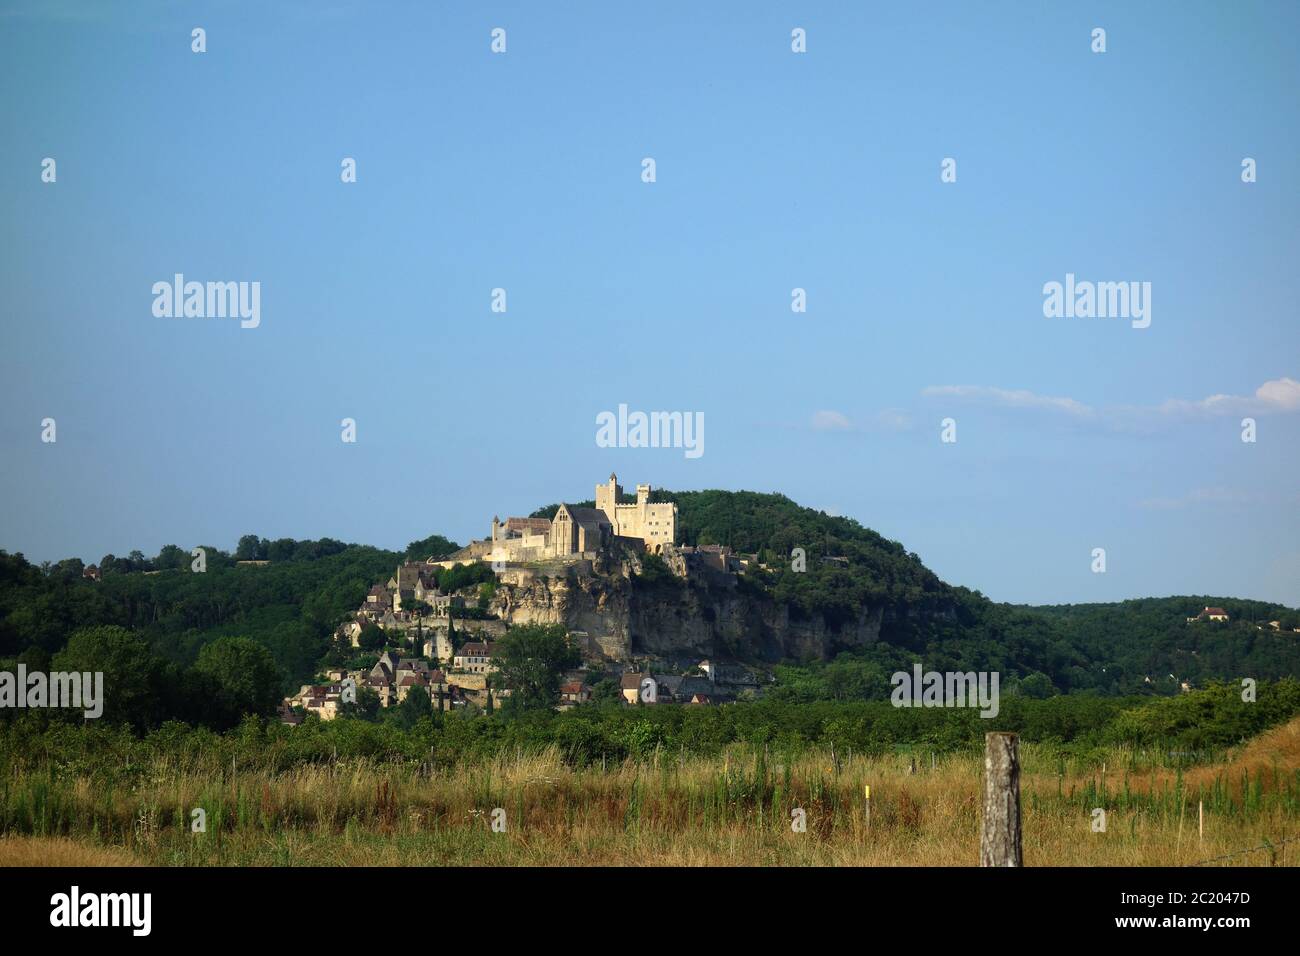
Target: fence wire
[(1253, 849)]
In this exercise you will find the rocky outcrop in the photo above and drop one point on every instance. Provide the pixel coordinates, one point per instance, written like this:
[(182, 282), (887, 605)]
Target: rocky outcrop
[(674, 618)]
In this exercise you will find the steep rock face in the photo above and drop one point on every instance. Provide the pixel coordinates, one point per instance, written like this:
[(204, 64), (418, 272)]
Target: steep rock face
[(621, 619)]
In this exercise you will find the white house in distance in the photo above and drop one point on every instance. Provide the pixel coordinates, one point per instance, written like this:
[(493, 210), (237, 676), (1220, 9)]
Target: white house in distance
[(475, 657), (1210, 614)]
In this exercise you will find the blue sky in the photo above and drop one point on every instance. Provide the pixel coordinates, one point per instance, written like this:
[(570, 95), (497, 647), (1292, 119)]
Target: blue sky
[(775, 170)]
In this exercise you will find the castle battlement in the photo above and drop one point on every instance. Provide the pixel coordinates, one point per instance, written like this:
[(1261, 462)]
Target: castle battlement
[(576, 531), (655, 524)]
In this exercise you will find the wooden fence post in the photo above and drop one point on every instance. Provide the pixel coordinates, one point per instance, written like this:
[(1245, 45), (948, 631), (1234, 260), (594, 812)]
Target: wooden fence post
[(1000, 827)]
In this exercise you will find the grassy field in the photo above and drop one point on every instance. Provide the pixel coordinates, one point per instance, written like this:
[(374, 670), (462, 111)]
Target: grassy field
[(735, 810)]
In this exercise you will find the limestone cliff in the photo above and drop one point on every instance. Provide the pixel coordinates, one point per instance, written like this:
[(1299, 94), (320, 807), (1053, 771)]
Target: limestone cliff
[(622, 618)]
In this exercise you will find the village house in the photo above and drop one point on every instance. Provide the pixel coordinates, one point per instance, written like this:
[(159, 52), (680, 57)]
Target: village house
[(475, 657), (414, 581), (393, 667), (378, 599), (727, 680), (393, 677), (408, 681), (630, 685), (350, 631), (668, 689), (573, 693), (437, 646), (683, 690), (1210, 614), (324, 700), (383, 688), (714, 565), (409, 602)]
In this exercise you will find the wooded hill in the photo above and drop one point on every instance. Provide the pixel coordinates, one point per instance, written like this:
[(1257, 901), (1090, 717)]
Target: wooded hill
[(292, 605)]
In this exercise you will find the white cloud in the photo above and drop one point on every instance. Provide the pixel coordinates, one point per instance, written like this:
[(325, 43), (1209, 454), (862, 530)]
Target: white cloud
[(1008, 398), (893, 419), (1274, 396), (887, 419), (1197, 496), (1282, 392), (829, 421)]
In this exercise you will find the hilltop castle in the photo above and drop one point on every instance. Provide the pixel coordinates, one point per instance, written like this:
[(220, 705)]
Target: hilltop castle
[(581, 532), (656, 524)]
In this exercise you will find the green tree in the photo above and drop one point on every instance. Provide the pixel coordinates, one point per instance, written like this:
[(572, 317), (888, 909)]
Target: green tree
[(245, 678), (1036, 685), (530, 661), (434, 546), (36, 658), (132, 673), (413, 707), (606, 692), (69, 569), (250, 548), (365, 707), (418, 609), (170, 558), (372, 637), (281, 549)]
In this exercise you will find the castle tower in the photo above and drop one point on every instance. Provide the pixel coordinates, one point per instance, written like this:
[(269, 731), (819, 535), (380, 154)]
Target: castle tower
[(607, 496)]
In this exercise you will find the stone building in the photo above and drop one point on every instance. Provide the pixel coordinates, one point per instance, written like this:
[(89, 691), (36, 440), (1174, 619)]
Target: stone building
[(655, 524), (577, 531), (475, 657)]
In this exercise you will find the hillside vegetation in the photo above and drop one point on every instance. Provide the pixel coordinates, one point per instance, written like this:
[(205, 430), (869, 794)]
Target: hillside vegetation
[(289, 608), (1130, 647)]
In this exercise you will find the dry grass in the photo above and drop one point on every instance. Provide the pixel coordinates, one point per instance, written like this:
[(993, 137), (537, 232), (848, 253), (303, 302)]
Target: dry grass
[(733, 811), (60, 851), (1276, 750)]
